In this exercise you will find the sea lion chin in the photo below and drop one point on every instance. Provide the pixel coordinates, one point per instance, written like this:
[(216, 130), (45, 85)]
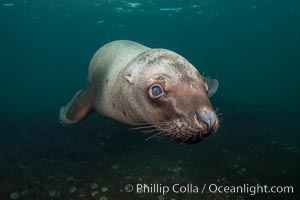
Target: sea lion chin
[(157, 90)]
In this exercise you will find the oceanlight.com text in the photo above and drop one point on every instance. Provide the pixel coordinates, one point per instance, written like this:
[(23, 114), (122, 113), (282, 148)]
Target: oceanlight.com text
[(156, 188)]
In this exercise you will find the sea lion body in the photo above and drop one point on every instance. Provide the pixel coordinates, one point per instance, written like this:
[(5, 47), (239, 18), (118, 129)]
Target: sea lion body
[(104, 72), (134, 84)]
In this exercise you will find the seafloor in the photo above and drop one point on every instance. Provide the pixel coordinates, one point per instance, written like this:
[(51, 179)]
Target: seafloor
[(41, 159)]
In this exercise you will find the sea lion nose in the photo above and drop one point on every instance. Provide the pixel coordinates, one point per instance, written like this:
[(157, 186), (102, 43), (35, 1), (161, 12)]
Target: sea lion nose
[(207, 117)]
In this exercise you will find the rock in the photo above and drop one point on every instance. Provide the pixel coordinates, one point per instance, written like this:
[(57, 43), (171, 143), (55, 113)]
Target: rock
[(160, 197), (104, 189), (116, 166), (53, 193), (243, 169), (103, 198), (72, 190), (71, 178), (14, 195), (94, 185), (24, 192), (94, 193)]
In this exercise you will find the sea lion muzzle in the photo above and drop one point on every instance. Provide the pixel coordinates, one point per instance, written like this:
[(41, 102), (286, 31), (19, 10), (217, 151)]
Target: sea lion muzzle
[(207, 122)]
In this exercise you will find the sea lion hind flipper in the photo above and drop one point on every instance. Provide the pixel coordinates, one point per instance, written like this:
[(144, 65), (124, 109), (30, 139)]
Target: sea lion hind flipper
[(77, 109), (212, 85)]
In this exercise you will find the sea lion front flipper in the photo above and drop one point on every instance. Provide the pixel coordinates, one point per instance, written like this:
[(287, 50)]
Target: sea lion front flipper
[(212, 85), (77, 109)]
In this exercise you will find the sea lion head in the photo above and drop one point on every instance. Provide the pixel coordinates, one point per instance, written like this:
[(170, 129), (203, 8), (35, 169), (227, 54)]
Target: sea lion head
[(169, 93)]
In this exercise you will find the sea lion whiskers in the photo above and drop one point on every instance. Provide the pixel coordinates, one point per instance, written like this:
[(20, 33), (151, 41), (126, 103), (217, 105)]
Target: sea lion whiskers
[(143, 127), (220, 116), (165, 130), (153, 136), (218, 113), (149, 131), (186, 139), (139, 123), (169, 136), (155, 129), (201, 136), (144, 123), (162, 129), (156, 125)]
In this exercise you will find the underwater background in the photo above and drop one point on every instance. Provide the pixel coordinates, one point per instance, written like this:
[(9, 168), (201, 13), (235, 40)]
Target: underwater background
[(251, 46)]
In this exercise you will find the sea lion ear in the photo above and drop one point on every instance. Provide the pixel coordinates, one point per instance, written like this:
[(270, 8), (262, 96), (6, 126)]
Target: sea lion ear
[(129, 78), (212, 85)]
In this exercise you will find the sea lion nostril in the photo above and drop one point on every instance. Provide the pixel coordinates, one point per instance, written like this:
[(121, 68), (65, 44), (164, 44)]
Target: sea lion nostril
[(207, 117)]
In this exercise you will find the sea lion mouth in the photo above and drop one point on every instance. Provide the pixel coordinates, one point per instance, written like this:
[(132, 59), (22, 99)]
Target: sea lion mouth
[(190, 134), (182, 132), (194, 139)]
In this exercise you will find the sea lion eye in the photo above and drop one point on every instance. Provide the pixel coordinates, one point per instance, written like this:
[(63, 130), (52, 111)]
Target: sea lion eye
[(155, 91)]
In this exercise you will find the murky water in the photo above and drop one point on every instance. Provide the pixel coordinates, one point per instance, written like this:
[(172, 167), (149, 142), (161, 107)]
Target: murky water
[(251, 47)]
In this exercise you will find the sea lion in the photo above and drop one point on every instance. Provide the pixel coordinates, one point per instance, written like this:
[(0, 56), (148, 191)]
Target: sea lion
[(137, 85)]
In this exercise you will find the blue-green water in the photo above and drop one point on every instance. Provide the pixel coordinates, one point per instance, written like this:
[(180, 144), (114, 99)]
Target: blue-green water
[(252, 47)]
